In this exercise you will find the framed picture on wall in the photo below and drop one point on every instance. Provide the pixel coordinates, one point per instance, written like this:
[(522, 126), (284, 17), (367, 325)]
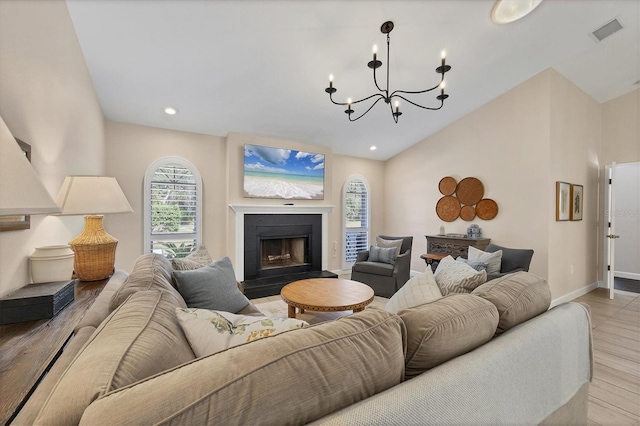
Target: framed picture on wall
[(575, 213), (563, 201)]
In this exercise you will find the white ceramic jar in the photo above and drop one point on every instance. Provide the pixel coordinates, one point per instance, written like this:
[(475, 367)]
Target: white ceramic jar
[(51, 263)]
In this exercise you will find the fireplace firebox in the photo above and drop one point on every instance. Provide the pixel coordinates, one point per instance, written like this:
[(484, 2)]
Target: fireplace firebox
[(279, 249)]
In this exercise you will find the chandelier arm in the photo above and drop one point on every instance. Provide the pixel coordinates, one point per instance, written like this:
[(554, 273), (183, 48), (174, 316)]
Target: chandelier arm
[(376, 81), (358, 101), (394, 116), (419, 106), (368, 109), (408, 92)]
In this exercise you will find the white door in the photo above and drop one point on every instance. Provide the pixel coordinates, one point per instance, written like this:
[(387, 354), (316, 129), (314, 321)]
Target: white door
[(610, 227)]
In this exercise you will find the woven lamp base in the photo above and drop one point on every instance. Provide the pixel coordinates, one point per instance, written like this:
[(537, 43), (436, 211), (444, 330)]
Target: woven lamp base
[(95, 251)]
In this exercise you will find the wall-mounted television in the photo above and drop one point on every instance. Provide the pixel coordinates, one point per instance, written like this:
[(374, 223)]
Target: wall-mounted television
[(282, 173)]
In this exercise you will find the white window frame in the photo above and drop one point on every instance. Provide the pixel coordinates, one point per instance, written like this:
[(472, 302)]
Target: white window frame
[(148, 176), (347, 265)]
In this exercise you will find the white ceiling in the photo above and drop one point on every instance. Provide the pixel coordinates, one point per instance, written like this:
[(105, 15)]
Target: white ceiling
[(261, 67)]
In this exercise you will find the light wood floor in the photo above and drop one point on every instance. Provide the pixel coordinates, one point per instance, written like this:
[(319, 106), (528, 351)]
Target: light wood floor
[(614, 394)]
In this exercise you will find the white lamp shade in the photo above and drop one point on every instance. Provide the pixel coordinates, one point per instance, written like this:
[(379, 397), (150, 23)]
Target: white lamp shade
[(21, 191), (88, 195)]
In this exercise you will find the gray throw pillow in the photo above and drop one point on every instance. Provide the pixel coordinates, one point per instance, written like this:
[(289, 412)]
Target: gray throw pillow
[(212, 287), (384, 255), (478, 266)]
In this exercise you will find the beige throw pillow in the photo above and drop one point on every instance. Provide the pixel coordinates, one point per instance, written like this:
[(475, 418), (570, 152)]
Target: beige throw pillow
[(457, 277), (417, 291), (518, 297), (493, 260), (209, 332), (195, 260), (446, 328)]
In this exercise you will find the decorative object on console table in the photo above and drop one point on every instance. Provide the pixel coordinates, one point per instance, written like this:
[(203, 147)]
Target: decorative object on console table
[(575, 213), (454, 245), (563, 203), (51, 263), (94, 248), (21, 191), (36, 302)]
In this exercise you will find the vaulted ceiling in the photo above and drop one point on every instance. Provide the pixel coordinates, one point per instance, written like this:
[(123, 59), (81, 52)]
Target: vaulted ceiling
[(261, 67)]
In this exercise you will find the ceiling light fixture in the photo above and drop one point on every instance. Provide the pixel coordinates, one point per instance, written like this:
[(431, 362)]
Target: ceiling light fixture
[(170, 110), (373, 148), (384, 93), (506, 11)]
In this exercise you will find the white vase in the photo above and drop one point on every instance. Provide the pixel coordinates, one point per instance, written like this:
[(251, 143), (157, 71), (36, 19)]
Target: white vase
[(51, 263)]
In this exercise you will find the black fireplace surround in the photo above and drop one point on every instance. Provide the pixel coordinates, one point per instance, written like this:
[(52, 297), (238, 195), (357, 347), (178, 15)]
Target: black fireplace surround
[(263, 281)]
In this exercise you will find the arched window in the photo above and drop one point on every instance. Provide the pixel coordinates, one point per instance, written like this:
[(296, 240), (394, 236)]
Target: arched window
[(172, 207), (355, 208)]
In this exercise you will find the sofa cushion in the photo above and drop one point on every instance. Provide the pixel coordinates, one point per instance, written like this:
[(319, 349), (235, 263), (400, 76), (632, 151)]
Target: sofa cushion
[(478, 266), (457, 277), (140, 338), (518, 297), (291, 378), (195, 260), (213, 287), (381, 242), (150, 272), (100, 309), (383, 254), (209, 332), (383, 269), (493, 260), (419, 290), (446, 328)]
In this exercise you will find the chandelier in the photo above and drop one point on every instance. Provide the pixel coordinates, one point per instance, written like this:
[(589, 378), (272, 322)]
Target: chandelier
[(384, 94)]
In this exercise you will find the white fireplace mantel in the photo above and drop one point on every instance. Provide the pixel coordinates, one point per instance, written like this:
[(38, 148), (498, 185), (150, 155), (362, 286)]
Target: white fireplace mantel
[(243, 209)]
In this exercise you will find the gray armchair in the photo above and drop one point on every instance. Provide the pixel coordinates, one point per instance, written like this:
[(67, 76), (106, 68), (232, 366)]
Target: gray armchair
[(513, 260), (385, 279)]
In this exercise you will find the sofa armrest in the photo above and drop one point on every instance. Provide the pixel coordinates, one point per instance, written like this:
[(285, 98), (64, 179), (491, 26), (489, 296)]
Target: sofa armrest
[(362, 256)]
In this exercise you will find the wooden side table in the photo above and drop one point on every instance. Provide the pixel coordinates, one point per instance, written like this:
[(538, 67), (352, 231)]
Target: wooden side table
[(29, 349)]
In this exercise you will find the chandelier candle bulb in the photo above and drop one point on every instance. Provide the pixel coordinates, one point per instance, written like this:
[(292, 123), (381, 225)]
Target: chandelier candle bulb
[(330, 80), (375, 52)]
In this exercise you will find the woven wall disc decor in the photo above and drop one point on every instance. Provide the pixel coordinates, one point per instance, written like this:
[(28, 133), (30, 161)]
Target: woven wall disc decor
[(487, 209), (447, 185), (467, 213), (448, 208), (469, 191)]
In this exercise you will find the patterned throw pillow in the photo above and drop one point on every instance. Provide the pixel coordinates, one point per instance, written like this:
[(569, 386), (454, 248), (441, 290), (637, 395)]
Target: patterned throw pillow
[(457, 277), (209, 332), (417, 291), (478, 266), (195, 260), (384, 255), (493, 260)]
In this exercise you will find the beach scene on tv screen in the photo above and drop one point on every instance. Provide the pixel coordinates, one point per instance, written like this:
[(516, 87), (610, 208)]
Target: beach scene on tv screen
[(282, 173)]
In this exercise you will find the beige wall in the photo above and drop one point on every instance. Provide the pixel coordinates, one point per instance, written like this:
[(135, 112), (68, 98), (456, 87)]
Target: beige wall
[(130, 151), (48, 100), (621, 129), (518, 145), (505, 144), (576, 124)]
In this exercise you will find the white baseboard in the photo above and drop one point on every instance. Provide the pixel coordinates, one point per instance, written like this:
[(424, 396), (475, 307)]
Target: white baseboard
[(576, 293), (628, 275), (602, 284), (341, 271)]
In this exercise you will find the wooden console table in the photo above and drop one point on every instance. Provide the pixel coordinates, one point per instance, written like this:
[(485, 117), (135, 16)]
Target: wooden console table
[(454, 245), (29, 349)]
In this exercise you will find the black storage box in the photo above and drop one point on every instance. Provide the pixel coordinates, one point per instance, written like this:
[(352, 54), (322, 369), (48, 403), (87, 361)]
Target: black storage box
[(36, 302)]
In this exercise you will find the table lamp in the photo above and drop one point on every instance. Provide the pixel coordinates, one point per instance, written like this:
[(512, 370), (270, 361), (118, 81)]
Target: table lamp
[(21, 191), (94, 248)]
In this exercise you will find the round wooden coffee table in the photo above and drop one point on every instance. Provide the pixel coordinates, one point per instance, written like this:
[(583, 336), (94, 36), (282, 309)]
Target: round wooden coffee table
[(326, 295)]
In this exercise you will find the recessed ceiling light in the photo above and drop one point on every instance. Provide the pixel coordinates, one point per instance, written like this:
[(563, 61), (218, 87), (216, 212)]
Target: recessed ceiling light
[(170, 110), (373, 148), (506, 11)]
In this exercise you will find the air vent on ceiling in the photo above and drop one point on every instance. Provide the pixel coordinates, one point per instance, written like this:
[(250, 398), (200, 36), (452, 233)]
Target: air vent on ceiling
[(607, 29)]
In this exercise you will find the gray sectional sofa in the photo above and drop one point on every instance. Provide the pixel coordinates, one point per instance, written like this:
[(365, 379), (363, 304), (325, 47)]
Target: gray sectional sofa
[(130, 363)]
